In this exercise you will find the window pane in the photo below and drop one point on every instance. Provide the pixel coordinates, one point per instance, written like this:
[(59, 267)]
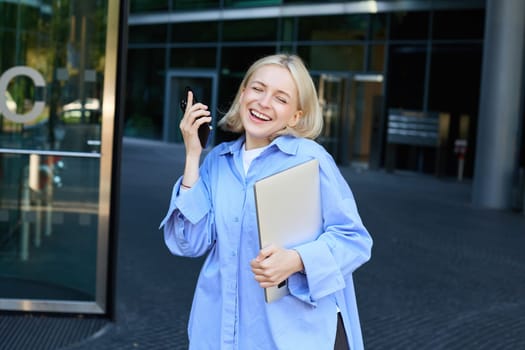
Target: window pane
[(51, 253), (406, 77), (333, 57), (148, 34), (194, 32), (379, 27), (49, 204), (349, 27), (193, 58), (145, 84), (458, 24), (250, 30), (409, 25), (288, 29), (455, 78), (236, 60), (8, 15)]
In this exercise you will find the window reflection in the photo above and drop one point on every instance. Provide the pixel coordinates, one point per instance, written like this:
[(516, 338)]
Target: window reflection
[(236, 60), (348, 27), (193, 57), (250, 30), (334, 57), (48, 226), (458, 24), (50, 163), (148, 34), (409, 25), (194, 32)]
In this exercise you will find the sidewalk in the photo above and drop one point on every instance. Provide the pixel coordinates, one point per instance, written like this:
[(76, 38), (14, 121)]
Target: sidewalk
[(443, 275)]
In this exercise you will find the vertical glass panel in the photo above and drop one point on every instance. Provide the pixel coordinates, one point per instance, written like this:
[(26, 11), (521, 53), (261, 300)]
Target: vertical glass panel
[(365, 101), (379, 26), (333, 57), (145, 85), (455, 78), (8, 15), (468, 24), (194, 32), (148, 34), (51, 81), (406, 77), (250, 30), (48, 226), (193, 57), (288, 28), (348, 27), (331, 90), (236, 60), (409, 25), (54, 80)]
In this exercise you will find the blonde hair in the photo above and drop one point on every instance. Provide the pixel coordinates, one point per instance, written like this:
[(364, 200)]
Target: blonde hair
[(309, 125)]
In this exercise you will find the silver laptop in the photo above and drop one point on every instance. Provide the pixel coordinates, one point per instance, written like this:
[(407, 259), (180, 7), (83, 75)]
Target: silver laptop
[(288, 207)]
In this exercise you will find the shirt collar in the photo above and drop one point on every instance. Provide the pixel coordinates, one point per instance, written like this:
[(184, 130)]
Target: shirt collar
[(285, 143)]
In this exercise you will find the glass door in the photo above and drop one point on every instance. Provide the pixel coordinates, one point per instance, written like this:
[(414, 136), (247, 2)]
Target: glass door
[(352, 111), (57, 115), (366, 120), (332, 91)]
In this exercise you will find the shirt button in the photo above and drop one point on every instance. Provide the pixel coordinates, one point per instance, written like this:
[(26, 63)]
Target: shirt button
[(235, 219), (233, 253)]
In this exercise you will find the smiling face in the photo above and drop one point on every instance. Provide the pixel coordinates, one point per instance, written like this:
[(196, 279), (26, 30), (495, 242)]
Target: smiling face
[(268, 104)]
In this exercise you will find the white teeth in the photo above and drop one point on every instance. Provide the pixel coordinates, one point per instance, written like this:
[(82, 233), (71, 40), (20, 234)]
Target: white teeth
[(260, 116)]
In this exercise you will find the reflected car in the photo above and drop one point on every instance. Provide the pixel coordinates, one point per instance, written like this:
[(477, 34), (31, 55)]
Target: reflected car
[(76, 112), (81, 125)]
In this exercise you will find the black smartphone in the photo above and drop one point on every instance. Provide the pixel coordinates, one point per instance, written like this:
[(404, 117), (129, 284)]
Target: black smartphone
[(204, 129)]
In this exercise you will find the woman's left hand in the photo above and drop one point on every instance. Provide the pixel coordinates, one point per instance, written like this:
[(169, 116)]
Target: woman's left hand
[(275, 264)]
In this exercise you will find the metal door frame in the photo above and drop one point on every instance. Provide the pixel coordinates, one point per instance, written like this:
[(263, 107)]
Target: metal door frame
[(116, 19)]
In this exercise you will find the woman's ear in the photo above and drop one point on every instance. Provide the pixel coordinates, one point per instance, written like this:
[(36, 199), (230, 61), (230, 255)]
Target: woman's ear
[(295, 118)]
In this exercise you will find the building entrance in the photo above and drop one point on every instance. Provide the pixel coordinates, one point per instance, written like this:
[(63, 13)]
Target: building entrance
[(57, 137), (353, 119)]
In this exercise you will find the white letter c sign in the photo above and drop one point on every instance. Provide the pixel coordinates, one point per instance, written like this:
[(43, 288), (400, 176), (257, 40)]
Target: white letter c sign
[(38, 106)]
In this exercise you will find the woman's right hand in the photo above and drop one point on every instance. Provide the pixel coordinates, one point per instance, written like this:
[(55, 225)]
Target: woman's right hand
[(194, 116)]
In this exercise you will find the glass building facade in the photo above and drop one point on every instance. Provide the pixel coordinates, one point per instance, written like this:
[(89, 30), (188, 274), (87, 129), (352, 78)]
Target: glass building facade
[(366, 58), (58, 131)]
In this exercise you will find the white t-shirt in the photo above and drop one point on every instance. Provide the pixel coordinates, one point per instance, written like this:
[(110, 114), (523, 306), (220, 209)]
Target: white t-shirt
[(249, 155)]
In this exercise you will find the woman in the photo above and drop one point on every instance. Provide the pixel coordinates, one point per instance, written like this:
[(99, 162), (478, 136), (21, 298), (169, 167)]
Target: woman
[(212, 210)]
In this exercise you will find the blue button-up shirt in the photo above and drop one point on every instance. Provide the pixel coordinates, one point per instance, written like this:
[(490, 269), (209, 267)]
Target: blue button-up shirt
[(217, 216)]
